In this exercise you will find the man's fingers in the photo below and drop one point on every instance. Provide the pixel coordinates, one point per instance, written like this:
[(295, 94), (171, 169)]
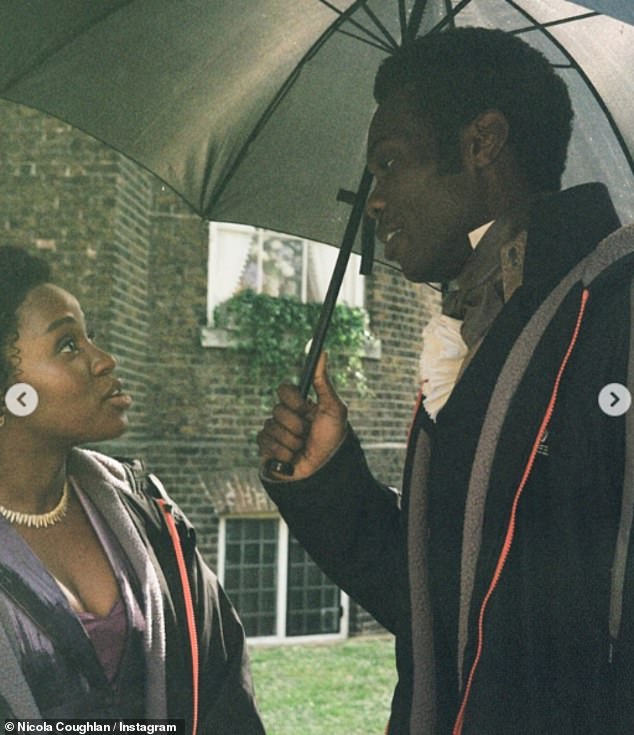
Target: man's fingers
[(270, 448), (291, 421), (291, 397), (277, 459), (302, 433), (283, 436), (276, 440)]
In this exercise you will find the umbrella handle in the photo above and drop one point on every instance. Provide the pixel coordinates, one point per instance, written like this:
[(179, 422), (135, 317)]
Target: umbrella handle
[(328, 307)]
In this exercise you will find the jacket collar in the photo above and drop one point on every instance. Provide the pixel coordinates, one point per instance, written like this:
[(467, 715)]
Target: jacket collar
[(563, 228)]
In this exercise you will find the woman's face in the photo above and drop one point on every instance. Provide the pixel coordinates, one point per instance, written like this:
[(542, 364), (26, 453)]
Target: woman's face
[(80, 399)]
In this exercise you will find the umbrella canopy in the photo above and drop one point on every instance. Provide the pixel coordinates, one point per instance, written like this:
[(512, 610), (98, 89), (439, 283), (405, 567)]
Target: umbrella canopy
[(621, 9), (256, 111)]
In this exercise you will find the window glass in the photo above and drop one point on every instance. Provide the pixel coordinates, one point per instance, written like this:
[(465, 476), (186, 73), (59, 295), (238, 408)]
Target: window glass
[(313, 601), (250, 572), (243, 257), (311, 604)]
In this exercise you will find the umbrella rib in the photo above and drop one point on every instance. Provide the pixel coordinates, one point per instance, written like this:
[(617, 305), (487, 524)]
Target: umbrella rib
[(551, 23), (380, 46), (50, 52), (449, 18), (381, 26), (402, 18), (277, 99), (452, 18), (593, 90), (385, 46), (415, 19)]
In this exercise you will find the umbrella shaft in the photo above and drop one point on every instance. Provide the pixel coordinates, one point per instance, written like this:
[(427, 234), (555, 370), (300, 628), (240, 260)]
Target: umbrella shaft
[(330, 300), (339, 271)]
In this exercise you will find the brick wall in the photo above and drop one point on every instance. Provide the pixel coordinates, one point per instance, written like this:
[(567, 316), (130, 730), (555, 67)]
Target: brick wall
[(86, 209), (136, 257), (129, 308)]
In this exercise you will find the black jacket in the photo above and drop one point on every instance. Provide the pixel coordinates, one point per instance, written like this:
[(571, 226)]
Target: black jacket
[(512, 546)]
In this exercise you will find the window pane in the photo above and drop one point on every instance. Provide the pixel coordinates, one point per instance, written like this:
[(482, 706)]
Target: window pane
[(252, 552), (282, 266), (251, 572), (269, 553), (313, 601), (268, 577), (264, 261)]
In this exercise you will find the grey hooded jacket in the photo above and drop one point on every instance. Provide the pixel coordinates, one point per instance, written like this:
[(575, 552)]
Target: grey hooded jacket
[(42, 642)]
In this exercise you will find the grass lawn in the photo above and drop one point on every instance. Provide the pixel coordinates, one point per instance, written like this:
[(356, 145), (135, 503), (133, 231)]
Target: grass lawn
[(340, 688)]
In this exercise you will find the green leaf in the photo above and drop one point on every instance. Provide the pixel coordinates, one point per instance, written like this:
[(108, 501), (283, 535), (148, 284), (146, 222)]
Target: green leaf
[(272, 332)]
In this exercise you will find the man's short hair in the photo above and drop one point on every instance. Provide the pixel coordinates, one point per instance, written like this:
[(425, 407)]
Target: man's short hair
[(454, 75)]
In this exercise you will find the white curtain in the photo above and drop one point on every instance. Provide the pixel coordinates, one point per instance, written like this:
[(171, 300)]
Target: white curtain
[(321, 263), (228, 252)]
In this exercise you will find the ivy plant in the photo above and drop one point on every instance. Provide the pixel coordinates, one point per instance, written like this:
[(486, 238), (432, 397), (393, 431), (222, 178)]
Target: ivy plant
[(273, 333)]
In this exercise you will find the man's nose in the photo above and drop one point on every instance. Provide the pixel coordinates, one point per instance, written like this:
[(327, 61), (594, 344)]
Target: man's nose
[(375, 204)]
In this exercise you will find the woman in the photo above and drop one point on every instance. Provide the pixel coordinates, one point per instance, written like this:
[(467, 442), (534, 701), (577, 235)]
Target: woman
[(106, 609)]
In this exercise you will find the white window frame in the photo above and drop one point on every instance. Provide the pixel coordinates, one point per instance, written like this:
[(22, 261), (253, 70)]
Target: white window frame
[(280, 636)]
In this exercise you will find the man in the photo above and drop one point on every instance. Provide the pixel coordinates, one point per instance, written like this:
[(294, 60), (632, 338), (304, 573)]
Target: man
[(503, 571)]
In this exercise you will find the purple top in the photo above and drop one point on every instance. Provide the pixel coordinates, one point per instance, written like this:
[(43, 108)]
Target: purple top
[(108, 636)]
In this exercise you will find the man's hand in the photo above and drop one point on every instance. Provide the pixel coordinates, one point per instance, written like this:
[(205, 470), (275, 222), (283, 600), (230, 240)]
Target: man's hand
[(301, 432)]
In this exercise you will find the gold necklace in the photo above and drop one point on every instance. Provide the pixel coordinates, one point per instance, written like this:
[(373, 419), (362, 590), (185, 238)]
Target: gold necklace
[(38, 520)]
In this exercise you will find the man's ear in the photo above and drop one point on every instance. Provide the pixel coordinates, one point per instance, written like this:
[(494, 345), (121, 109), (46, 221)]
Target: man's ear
[(484, 138)]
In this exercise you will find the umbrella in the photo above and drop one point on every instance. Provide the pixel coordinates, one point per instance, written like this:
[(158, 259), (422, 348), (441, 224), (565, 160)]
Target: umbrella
[(621, 9), (255, 111)]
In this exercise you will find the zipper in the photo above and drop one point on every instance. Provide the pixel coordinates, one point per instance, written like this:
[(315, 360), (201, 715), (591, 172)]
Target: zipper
[(510, 530), (189, 605)]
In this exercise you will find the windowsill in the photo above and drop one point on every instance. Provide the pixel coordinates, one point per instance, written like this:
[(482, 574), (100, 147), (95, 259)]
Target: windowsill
[(223, 339)]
